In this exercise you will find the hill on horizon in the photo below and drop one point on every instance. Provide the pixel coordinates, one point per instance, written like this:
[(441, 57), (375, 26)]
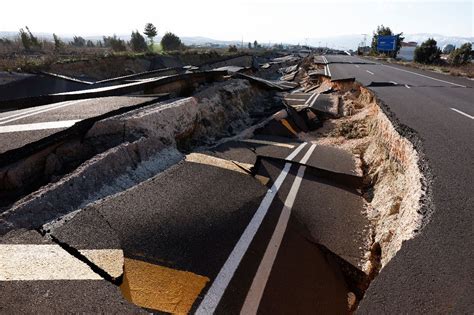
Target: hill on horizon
[(350, 41)]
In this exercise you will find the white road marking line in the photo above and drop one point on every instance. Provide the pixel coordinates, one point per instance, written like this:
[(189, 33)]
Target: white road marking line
[(23, 112), (425, 76), (42, 111), (255, 293), (38, 126), (357, 66), (369, 72), (294, 99), (313, 100), (296, 151), (325, 71), (310, 101), (462, 113), (220, 283), (277, 144), (51, 262), (329, 71), (393, 82), (406, 85)]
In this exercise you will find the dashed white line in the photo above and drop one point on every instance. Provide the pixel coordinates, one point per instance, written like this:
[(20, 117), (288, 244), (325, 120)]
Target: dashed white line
[(407, 86), (255, 293), (393, 82), (357, 66), (38, 126), (369, 72), (462, 113), (216, 291), (425, 76)]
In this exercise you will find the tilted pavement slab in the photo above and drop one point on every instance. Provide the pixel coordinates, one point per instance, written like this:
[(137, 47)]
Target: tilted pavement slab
[(22, 127), (177, 229), (39, 276)]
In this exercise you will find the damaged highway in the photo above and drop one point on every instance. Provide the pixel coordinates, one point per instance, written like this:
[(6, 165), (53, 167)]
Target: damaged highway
[(239, 187)]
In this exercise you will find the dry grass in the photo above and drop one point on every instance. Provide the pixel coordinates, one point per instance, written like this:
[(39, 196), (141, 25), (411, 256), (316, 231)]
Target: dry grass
[(465, 70)]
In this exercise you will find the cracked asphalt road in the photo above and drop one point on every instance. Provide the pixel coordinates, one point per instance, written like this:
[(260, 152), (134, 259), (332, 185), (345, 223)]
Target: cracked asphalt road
[(434, 270)]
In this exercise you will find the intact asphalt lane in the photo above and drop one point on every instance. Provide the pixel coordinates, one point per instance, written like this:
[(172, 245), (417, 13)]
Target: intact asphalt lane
[(433, 271), (20, 127)]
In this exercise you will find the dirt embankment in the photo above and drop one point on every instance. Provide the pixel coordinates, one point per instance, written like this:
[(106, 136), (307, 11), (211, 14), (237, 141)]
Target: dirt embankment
[(128, 148), (101, 68), (389, 164)]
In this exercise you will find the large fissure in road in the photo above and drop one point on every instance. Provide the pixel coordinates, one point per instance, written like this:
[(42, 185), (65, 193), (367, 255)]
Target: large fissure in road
[(370, 171), (121, 151), (395, 187)]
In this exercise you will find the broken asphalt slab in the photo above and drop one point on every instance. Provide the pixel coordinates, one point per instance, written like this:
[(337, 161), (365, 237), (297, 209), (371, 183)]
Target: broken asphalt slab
[(38, 275)]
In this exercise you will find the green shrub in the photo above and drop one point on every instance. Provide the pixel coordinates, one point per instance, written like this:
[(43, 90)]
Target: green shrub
[(171, 42), (115, 43), (428, 52), (137, 42), (461, 55), (233, 48)]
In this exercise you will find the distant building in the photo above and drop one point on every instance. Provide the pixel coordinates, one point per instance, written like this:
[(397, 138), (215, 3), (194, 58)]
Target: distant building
[(409, 44)]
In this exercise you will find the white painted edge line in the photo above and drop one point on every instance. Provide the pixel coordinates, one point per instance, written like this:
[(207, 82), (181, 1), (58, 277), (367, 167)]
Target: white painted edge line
[(462, 113), (314, 100), (33, 262), (425, 76), (407, 86), (369, 72), (393, 82), (216, 291), (42, 111), (255, 293), (357, 66), (310, 99), (30, 110), (325, 71), (277, 144), (329, 70), (293, 99), (38, 126)]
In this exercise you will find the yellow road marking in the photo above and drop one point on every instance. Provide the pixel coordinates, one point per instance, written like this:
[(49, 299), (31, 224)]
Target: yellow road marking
[(288, 126), (160, 288)]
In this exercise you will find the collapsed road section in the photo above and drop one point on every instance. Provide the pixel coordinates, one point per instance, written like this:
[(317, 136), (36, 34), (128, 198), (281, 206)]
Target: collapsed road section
[(244, 193)]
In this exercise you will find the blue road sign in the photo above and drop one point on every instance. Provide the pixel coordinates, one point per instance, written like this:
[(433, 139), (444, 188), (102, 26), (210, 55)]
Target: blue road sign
[(386, 43)]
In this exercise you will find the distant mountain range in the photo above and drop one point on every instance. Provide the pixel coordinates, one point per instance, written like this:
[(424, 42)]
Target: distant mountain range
[(339, 42)]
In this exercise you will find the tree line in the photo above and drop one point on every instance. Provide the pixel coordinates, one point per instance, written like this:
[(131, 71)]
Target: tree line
[(137, 43), (427, 53)]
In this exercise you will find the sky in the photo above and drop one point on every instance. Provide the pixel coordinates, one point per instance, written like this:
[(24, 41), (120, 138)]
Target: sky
[(247, 20)]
